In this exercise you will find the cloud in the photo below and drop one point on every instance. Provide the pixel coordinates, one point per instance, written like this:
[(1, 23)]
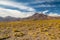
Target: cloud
[(49, 13), (23, 6), (17, 5), (45, 0), (44, 5), (44, 12), (35, 2), (14, 13), (53, 14), (41, 1)]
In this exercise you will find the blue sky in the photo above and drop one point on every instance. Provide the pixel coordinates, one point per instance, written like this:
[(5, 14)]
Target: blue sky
[(25, 8)]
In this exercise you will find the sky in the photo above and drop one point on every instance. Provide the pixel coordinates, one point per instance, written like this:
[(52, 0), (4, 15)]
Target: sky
[(26, 8)]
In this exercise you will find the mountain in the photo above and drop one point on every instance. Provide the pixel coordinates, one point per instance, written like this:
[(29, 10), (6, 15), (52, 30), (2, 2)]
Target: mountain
[(9, 18), (41, 16), (36, 16)]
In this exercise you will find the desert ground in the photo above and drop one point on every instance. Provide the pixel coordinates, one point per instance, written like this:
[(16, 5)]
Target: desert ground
[(30, 30)]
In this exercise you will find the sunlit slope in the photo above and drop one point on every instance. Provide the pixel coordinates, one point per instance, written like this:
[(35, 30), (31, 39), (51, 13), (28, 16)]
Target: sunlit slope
[(30, 30)]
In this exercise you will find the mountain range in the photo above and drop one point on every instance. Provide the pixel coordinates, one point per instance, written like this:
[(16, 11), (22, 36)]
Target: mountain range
[(36, 16)]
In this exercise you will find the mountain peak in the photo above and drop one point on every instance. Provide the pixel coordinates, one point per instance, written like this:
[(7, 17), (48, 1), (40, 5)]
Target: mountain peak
[(39, 14)]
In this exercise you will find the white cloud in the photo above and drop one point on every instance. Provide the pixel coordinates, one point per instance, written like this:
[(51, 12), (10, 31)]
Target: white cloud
[(17, 5), (44, 5), (44, 12), (53, 14), (49, 14), (35, 2), (41, 1), (14, 13), (44, 0)]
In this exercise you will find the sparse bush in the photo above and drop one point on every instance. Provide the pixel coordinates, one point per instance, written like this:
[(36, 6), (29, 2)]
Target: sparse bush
[(31, 29)]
